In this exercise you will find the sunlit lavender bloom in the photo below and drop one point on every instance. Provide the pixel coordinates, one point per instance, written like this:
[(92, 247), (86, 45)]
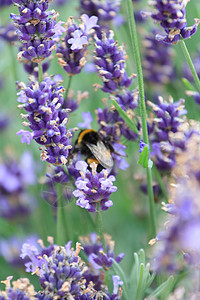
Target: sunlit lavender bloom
[(171, 16), (93, 247), (20, 289), (104, 10), (35, 29), (72, 50), (93, 188), (110, 62), (5, 3), (157, 62), (60, 270), (46, 118), (10, 249), (8, 33)]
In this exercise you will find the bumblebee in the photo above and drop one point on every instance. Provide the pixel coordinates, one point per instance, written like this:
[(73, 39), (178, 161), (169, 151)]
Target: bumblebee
[(94, 148)]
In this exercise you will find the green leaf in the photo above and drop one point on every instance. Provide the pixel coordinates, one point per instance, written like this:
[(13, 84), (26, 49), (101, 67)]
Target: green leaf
[(188, 85), (125, 117), (165, 288), (140, 278), (144, 160)]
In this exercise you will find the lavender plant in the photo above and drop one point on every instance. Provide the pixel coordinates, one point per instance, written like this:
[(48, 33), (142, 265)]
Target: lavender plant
[(145, 129)]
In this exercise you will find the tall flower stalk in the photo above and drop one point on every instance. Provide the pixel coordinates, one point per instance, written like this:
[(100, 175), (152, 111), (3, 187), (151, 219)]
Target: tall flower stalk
[(190, 63), (142, 105)]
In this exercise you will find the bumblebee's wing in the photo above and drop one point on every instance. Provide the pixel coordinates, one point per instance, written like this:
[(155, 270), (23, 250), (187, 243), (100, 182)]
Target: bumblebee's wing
[(102, 154)]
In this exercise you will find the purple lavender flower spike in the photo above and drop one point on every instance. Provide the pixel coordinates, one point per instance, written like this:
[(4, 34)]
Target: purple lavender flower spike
[(60, 271), (10, 249), (171, 16), (168, 117), (110, 63), (93, 248), (72, 50), (14, 201), (21, 289), (8, 33), (35, 29), (4, 121), (167, 137), (104, 10), (157, 62), (93, 187), (46, 118)]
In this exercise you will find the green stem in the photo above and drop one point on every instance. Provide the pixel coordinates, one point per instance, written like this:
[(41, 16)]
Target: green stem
[(68, 87), (13, 58), (125, 117), (190, 63), (135, 45), (100, 226), (60, 220), (40, 72)]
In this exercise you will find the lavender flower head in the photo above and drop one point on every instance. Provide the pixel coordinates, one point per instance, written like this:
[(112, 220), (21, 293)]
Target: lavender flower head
[(35, 29), (171, 16), (8, 33), (93, 188), (46, 118), (183, 227), (60, 270), (168, 115), (93, 248), (157, 63), (105, 10), (10, 249), (14, 179), (168, 136), (110, 63), (20, 289), (73, 48)]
